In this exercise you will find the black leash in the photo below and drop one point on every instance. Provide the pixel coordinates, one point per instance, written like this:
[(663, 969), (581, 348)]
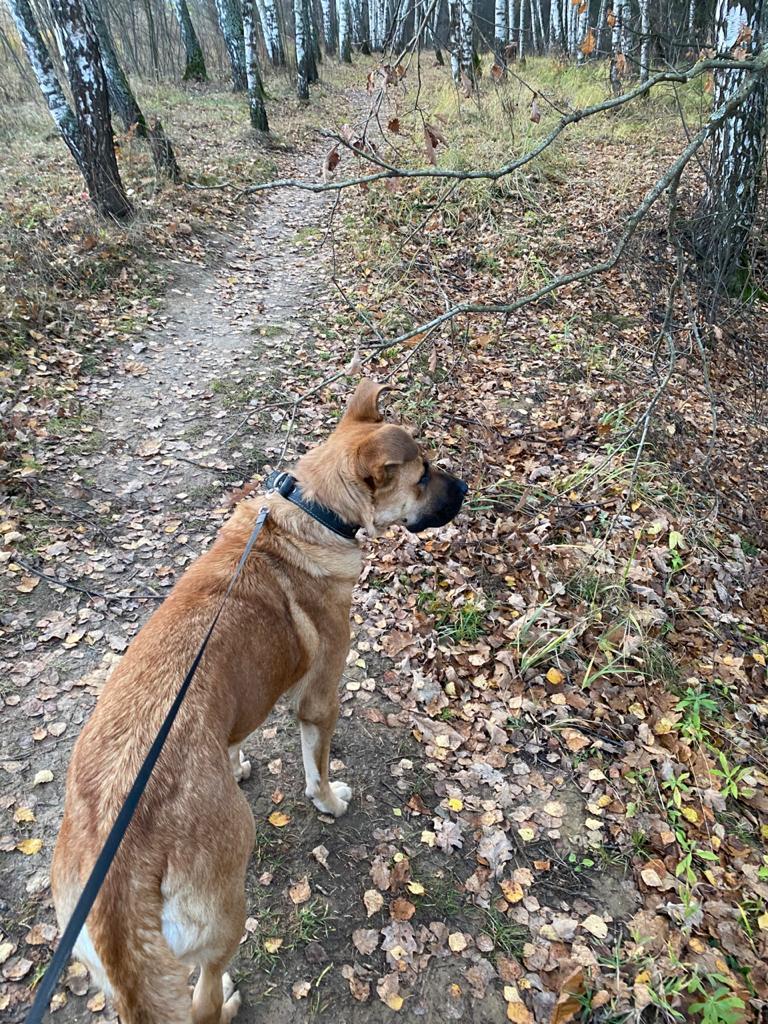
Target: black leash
[(123, 820)]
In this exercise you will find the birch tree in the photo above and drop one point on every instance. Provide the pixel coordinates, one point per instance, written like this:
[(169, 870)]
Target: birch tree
[(42, 66), (256, 107), (194, 69), (329, 25), (345, 38), (500, 33), (521, 47), (270, 26), (123, 102), (231, 24), (738, 146), (91, 102), (301, 43), (466, 30), (645, 40)]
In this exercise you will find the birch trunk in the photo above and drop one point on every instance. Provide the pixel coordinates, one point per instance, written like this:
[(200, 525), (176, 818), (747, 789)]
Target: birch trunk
[(42, 66), (231, 24), (555, 27), (738, 146), (645, 42), (345, 41), (329, 35), (466, 27), (270, 27), (691, 21), (256, 108), (124, 103), (194, 70), (617, 53), (500, 33), (538, 23), (522, 48), (311, 43), (302, 79), (600, 28), (91, 102)]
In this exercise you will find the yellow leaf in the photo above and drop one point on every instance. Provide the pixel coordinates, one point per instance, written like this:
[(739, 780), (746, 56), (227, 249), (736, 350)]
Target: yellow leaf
[(279, 819), (24, 814), (428, 838), (272, 945), (690, 814), (555, 676), (762, 922), (457, 942), (513, 891), (664, 726), (759, 657), (46, 775), (30, 846), (394, 1001), (526, 834), (455, 804), (416, 888)]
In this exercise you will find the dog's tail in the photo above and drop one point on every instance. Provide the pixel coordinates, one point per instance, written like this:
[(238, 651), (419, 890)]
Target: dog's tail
[(124, 947)]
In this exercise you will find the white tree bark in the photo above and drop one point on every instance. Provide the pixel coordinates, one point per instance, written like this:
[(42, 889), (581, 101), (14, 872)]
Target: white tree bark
[(691, 20), (645, 43), (738, 146), (270, 27), (500, 32), (345, 40), (522, 47), (91, 102), (257, 109), (301, 43), (555, 26), (231, 24), (467, 24), (42, 65), (328, 35), (195, 64)]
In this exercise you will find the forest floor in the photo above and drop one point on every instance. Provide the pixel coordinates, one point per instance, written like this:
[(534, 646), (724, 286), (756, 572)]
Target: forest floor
[(555, 709)]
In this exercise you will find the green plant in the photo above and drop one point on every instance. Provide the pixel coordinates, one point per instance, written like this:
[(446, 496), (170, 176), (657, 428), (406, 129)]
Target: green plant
[(695, 703), (731, 777), (718, 1004)]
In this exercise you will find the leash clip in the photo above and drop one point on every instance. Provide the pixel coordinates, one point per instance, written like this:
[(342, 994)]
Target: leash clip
[(283, 483)]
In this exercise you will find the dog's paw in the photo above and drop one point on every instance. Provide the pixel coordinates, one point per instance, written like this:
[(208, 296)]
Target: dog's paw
[(232, 1000), (241, 767), (337, 805)]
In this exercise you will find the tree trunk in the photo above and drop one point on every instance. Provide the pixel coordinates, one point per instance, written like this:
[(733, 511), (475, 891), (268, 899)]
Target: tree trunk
[(310, 42), (466, 29), (500, 34), (645, 42), (555, 27), (738, 146), (522, 47), (91, 102), (42, 65), (124, 103), (365, 28), (270, 24), (329, 35), (345, 39), (256, 107), (691, 21), (154, 52), (600, 28), (618, 60), (194, 70), (299, 34), (231, 24)]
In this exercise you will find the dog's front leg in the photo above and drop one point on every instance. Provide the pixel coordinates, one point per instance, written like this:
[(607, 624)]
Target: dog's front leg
[(317, 720)]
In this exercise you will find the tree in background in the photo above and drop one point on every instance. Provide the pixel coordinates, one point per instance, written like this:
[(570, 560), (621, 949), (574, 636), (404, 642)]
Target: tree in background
[(91, 103), (42, 65), (256, 107), (302, 50), (231, 23), (194, 70), (345, 37), (729, 207), (270, 27)]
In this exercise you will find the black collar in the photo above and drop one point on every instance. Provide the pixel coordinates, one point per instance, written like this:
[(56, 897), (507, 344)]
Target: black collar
[(288, 486)]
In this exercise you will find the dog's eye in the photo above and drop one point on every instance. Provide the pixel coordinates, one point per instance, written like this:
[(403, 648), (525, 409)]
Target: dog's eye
[(424, 478)]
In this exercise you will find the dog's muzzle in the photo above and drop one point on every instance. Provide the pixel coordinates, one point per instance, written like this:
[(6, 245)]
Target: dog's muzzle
[(444, 506)]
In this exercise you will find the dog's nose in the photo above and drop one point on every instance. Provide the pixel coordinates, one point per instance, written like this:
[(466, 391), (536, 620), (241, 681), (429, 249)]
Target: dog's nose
[(463, 487)]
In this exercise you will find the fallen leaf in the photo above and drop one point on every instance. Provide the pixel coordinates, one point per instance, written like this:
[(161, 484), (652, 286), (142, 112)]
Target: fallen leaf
[(373, 901), (300, 891), (279, 819)]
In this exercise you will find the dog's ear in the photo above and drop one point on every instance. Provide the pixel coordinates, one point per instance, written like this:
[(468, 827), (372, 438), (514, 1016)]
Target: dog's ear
[(385, 449), (364, 403)]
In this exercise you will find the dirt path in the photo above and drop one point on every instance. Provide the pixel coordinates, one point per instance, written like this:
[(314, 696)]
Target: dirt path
[(165, 428)]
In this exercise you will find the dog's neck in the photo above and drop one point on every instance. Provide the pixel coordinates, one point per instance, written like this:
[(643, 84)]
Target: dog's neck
[(323, 479)]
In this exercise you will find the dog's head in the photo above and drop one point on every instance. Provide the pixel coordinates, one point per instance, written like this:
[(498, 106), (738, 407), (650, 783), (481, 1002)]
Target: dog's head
[(374, 473)]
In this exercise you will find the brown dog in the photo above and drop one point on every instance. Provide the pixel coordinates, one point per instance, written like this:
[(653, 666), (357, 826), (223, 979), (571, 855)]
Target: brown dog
[(174, 897)]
